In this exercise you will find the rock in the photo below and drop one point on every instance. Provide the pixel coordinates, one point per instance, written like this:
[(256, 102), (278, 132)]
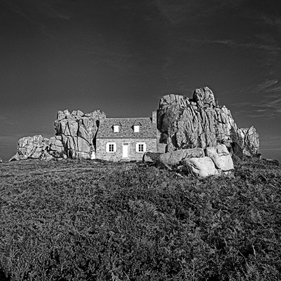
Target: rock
[(76, 134), (221, 157), (204, 97), (151, 157), (31, 148), (203, 166), (249, 141), (56, 148), (175, 157), (200, 122), (1, 160), (236, 150)]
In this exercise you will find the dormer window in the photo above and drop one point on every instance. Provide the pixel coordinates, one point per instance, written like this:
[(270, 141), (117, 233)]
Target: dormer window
[(115, 128), (136, 128)]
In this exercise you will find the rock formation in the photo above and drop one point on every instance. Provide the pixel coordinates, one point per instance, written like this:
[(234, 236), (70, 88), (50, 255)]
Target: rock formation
[(209, 162), (186, 125), (75, 134), (200, 122), (32, 148)]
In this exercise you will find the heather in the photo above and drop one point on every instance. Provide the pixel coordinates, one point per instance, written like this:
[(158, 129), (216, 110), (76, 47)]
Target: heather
[(94, 220)]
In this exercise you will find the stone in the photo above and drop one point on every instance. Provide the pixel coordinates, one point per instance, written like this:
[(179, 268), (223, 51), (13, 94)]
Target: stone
[(249, 141), (199, 122), (1, 160), (202, 167), (75, 134), (175, 157), (56, 148), (221, 157), (151, 157), (31, 148), (204, 97)]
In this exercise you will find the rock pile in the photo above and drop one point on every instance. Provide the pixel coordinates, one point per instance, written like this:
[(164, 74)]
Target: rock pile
[(209, 162), (201, 122)]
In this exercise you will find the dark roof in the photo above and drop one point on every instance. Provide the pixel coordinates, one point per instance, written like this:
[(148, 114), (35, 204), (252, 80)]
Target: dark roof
[(126, 129)]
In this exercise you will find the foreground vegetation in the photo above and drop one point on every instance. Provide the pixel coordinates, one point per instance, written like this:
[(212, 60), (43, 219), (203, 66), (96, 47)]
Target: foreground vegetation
[(85, 220)]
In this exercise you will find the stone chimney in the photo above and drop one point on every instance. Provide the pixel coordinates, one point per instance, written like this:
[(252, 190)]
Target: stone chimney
[(154, 117)]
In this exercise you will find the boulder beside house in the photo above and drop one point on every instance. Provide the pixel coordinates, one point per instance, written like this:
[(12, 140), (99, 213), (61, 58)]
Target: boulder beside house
[(127, 138)]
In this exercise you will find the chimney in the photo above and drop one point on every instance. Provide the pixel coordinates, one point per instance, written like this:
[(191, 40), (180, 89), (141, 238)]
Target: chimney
[(154, 117)]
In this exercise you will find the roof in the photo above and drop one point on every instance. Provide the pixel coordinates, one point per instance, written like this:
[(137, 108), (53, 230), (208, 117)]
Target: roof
[(126, 129)]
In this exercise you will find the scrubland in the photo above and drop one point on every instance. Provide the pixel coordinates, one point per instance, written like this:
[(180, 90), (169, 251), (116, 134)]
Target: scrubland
[(88, 220)]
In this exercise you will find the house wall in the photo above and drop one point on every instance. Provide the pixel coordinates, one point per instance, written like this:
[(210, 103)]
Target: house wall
[(101, 153)]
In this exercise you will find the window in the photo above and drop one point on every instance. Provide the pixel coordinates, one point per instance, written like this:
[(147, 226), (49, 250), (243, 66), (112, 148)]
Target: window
[(141, 147), (115, 128), (136, 128), (111, 147)]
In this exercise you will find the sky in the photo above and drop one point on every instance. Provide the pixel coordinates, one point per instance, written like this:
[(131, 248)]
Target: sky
[(122, 56)]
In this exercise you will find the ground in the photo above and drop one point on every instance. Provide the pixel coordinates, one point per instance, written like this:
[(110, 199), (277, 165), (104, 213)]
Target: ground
[(94, 220)]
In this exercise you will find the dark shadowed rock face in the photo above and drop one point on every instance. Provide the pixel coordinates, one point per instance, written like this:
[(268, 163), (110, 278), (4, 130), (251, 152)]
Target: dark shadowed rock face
[(201, 122), (76, 133)]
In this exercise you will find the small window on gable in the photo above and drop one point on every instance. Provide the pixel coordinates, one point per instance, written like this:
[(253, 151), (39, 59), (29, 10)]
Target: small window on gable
[(111, 147), (116, 128), (136, 128), (141, 147)]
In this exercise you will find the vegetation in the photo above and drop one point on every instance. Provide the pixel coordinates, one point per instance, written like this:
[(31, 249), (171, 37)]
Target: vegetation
[(86, 220)]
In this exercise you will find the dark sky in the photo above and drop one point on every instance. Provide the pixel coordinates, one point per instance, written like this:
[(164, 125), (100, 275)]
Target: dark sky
[(121, 56)]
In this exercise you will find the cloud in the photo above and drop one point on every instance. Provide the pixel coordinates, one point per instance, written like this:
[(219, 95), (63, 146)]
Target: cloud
[(233, 44), (177, 11), (267, 106), (35, 12)]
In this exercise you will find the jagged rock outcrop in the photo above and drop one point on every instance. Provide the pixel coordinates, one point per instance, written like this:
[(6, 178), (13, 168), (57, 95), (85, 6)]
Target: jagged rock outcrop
[(76, 133), (32, 148), (248, 140), (200, 122)]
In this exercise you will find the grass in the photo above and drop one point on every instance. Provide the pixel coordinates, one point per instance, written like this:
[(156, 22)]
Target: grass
[(87, 220)]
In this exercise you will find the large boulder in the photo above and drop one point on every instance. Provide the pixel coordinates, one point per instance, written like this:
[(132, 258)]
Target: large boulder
[(200, 122), (32, 148), (76, 133), (202, 167), (221, 157)]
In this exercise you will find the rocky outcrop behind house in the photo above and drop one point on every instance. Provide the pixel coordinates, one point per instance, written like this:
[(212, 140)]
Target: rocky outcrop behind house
[(76, 133), (200, 122), (32, 148)]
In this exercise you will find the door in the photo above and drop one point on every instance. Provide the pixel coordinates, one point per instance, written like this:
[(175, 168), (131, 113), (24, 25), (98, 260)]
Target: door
[(125, 150)]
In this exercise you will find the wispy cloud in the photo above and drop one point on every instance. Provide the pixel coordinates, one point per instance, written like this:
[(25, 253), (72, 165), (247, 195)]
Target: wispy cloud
[(177, 11), (268, 106), (265, 47)]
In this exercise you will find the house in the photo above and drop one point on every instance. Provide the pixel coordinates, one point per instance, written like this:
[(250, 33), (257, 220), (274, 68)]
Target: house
[(126, 138)]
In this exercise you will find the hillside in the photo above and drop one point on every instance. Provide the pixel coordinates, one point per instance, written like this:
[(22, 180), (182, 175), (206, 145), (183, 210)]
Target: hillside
[(89, 220)]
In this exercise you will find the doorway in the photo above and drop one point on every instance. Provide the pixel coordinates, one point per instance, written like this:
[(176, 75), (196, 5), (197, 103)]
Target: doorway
[(125, 150)]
